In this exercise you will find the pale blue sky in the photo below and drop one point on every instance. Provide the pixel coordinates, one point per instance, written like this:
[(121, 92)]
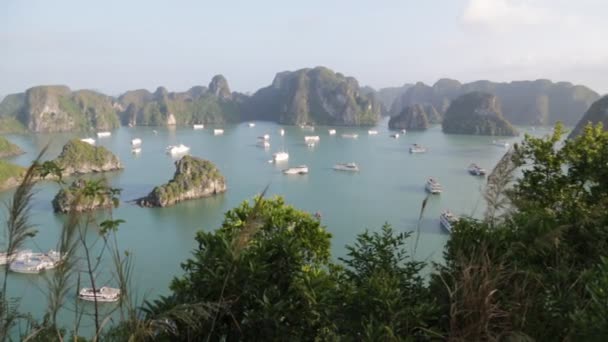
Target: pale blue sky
[(113, 46)]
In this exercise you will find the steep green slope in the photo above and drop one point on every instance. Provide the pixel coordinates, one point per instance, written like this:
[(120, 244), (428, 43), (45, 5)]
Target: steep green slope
[(9, 174), (8, 149), (597, 113)]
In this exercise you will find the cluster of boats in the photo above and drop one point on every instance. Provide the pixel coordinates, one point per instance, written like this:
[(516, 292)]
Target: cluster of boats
[(303, 169), (26, 261)]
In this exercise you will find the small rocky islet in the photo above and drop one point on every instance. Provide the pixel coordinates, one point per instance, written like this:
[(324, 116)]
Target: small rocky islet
[(476, 113), (65, 200), (414, 118), (78, 157), (194, 178)]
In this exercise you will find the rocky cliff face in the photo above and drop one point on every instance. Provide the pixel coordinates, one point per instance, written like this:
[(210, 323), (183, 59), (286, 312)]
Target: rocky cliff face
[(193, 178), (215, 104), (476, 113), (597, 113), (315, 96), (539, 102), (8, 149), (411, 118), (58, 109), (63, 202), (78, 157)]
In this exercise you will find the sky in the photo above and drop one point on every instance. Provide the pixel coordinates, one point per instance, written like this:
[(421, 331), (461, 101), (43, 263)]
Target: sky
[(113, 46)]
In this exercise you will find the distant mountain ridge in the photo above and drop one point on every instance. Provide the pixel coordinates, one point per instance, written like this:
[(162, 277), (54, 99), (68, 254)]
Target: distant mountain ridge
[(539, 102), (312, 95), (387, 95), (214, 104)]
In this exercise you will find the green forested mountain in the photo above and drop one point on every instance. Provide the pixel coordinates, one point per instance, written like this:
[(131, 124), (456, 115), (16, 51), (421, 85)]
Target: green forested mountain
[(215, 104), (476, 113), (58, 109), (317, 96), (537, 102)]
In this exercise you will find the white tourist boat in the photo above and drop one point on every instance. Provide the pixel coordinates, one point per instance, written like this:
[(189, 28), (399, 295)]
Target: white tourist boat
[(102, 294), (135, 142), (433, 186), (263, 143), (501, 143), (311, 138), (307, 127), (251, 124), (218, 131), (332, 132), (89, 141), (346, 167), (372, 132), (198, 126), (415, 148), (350, 136), (104, 134), (34, 263), (178, 149), (264, 137), (279, 157), (476, 170), (282, 132), (403, 131), (7, 259), (447, 219), (298, 170), (394, 135), (136, 150)]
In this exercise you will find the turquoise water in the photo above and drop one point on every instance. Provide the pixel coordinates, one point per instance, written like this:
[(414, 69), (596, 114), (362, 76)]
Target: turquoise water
[(389, 188)]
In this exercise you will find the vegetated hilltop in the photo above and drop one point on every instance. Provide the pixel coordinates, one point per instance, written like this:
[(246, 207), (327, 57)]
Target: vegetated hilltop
[(476, 113), (193, 178), (314, 96), (8, 149), (78, 157)]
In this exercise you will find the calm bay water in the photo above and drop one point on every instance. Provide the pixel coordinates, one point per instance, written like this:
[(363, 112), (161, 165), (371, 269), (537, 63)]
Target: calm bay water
[(389, 188)]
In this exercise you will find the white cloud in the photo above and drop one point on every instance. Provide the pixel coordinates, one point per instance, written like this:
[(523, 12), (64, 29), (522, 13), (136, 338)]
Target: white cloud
[(505, 14)]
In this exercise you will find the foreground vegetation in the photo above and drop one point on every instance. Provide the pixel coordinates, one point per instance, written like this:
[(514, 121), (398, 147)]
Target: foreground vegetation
[(534, 268)]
